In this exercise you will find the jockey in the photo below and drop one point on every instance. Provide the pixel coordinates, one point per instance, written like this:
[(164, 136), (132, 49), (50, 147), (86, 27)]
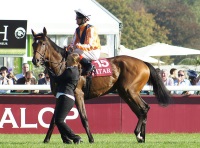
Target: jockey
[(85, 42)]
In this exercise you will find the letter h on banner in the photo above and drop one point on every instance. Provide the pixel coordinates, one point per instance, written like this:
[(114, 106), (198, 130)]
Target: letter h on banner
[(5, 33)]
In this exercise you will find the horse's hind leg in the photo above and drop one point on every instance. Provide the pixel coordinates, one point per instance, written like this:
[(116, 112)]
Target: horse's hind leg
[(140, 108), (141, 125), (83, 115)]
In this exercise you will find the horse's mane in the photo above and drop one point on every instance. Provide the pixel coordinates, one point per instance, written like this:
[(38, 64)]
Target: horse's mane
[(53, 44)]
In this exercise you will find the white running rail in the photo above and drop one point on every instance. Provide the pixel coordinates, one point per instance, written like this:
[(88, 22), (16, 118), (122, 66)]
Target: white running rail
[(47, 87)]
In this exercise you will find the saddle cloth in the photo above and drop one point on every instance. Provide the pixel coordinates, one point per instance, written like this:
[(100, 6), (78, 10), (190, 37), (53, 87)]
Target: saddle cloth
[(103, 67)]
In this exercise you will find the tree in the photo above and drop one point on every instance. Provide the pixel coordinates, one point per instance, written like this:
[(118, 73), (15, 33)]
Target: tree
[(139, 27), (178, 18)]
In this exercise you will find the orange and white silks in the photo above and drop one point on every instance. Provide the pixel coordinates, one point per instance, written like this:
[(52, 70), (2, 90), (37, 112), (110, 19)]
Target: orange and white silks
[(90, 49)]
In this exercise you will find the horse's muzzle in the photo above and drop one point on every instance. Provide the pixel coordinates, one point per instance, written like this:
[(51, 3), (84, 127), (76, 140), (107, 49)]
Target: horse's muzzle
[(36, 62)]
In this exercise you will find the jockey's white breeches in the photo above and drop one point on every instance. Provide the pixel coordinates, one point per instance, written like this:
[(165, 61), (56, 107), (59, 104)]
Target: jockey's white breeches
[(90, 55)]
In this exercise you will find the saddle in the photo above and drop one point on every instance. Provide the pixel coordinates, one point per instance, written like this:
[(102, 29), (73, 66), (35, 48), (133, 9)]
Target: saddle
[(99, 67)]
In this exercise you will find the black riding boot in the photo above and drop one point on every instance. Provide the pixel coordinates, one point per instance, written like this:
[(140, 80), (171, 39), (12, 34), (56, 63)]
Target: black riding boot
[(87, 66)]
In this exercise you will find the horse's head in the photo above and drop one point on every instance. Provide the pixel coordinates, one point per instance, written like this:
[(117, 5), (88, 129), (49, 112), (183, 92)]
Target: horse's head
[(39, 48), (47, 53)]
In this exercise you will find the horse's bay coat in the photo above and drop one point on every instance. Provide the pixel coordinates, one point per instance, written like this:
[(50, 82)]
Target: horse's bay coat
[(129, 75)]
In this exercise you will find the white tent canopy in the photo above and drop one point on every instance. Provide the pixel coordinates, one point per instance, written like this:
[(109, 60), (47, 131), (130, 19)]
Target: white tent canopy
[(126, 51), (161, 49), (58, 16)]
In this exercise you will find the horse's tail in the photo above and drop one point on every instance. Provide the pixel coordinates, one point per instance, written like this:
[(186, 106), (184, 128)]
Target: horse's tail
[(160, 90)]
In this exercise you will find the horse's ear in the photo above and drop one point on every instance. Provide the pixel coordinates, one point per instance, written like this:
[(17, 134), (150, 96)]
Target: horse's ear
[(33, 33), (44, 31)]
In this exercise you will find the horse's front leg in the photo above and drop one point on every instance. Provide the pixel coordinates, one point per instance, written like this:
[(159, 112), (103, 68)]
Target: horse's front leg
[(83, 115), (50, 130), (52, 123)]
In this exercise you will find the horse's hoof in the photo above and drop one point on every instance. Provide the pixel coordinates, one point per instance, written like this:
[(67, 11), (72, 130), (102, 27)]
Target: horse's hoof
[(46, 141), (91, 141), (140, 139)]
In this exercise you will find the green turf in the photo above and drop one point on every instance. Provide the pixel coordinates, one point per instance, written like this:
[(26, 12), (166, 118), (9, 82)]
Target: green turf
[(103, 141)]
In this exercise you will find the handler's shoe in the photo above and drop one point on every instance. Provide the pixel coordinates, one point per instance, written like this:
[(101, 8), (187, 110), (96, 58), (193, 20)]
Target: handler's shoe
[(66, 140), (77, 140)]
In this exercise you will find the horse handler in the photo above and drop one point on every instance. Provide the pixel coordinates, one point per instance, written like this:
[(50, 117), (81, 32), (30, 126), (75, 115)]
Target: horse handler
[(66, 84), (85, 42)]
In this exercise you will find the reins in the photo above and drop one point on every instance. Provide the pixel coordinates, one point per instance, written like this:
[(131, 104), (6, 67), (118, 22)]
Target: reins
[(50, 70)]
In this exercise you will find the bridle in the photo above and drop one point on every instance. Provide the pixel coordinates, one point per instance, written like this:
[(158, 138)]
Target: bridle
[(46, 61)]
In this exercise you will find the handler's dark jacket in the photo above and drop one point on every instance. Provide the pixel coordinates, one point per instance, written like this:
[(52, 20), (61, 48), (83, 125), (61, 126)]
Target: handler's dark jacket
[(67, 81)]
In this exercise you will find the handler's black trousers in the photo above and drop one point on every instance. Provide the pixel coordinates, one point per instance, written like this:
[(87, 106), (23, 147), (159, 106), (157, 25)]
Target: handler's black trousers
[(63, 105)]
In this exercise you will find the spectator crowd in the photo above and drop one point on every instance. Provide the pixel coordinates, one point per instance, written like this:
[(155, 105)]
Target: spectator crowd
[(172, 77), (176, 77), (25, 78)]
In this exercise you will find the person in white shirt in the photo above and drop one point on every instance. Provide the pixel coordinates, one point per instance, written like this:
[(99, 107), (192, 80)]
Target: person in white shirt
[(182, 81), (4, 80), (168, 81)]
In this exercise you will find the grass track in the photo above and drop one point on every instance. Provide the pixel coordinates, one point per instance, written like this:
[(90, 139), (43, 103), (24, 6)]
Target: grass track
[(103, 141)]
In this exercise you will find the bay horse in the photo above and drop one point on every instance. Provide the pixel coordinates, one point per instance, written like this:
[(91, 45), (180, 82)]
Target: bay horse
[(129, 76)]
